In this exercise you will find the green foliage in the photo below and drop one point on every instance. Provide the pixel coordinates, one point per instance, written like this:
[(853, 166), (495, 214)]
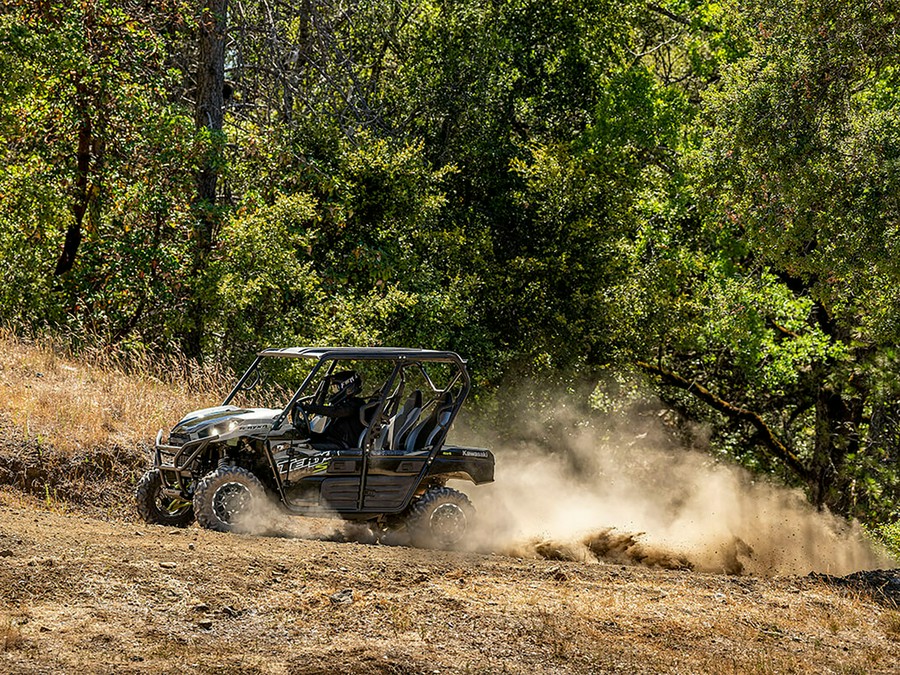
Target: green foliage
[(265, 272), (792, 274), (92, 71), (803, 158), (888, 535), (363, 258)]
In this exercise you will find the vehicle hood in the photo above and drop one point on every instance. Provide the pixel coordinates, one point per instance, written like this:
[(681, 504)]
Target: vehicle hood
[(224, 420)]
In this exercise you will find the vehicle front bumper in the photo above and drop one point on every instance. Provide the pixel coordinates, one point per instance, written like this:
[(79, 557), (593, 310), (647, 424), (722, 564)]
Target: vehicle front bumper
[(175, 463)]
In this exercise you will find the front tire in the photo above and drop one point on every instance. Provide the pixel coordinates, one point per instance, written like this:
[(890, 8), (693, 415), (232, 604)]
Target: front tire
[(441, 518), (225, 497), (156, 508)]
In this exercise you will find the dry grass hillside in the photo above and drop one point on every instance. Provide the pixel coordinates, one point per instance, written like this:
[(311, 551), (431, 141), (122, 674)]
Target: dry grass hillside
[(103, 398), (77, 431)]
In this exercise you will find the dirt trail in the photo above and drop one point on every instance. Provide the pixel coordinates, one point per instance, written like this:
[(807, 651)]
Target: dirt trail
[(80, 594)]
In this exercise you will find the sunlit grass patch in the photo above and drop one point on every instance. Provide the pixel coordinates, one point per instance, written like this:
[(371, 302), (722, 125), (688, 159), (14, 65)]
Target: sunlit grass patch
[(102, 398)]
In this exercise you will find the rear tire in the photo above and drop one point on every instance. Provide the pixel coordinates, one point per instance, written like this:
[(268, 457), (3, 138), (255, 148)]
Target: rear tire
[(441, 518), (224, 498), (157, 508)]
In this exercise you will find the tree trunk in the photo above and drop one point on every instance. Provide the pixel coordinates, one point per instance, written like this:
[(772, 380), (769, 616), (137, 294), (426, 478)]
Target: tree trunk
[(837, 425), (82, 189), (209, 118), (209, 106)]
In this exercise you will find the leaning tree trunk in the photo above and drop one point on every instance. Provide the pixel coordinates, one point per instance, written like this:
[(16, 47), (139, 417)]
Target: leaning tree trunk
[(209, 118), (66, 259)]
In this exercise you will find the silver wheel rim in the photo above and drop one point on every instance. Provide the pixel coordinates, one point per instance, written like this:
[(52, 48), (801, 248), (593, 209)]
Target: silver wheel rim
[(230, 499), (448, 523)]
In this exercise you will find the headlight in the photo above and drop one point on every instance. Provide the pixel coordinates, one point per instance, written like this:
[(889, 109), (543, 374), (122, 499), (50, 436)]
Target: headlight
[(222, 429)]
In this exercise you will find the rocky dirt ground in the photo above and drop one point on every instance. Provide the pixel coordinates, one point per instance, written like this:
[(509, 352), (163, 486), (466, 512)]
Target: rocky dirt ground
[(82, 594)]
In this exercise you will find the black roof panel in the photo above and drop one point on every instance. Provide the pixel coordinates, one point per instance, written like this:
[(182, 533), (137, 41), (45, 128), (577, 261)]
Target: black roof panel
[(364, 353)]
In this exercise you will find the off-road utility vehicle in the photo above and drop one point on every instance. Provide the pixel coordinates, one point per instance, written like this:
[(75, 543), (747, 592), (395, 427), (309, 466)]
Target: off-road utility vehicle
[(361, 438)]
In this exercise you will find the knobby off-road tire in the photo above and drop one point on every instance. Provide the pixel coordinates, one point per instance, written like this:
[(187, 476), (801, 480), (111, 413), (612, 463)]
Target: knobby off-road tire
[(441, 518), (158, 509), (225, 496)]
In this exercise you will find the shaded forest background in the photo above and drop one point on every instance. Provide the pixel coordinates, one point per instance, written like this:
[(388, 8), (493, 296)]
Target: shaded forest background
[(686, 208)]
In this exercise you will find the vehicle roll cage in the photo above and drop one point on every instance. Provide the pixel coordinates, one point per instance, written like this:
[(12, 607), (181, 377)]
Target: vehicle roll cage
[(401, 357)]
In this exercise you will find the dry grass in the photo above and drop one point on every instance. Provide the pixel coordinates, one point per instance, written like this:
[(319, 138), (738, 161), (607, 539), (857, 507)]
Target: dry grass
[(891, 622), (74, 432), (10, 635), (100, 399)]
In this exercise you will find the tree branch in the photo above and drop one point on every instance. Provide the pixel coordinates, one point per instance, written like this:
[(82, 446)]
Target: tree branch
[(677, 18), (765, 434)]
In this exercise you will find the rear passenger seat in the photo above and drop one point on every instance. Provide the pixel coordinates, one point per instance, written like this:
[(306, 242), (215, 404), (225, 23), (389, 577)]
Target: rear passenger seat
[(390, 439)]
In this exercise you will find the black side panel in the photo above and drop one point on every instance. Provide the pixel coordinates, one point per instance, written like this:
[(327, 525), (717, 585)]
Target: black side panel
[(340, 493), (383, 493), (387, 493), (394, 464), (475, 464), (343, 466)]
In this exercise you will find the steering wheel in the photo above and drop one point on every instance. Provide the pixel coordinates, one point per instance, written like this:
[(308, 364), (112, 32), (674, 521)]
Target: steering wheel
[(300, 406)]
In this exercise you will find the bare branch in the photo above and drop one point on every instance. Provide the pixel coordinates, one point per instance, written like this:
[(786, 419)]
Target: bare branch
[(766, 436)]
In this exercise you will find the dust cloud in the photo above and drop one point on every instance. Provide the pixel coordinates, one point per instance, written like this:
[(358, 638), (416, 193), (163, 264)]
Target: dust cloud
[(625, 493), (629, 496), (265, 517)]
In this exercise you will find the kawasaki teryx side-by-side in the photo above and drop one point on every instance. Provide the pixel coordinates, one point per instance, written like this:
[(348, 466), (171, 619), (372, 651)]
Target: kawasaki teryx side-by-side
[(361, 437)]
